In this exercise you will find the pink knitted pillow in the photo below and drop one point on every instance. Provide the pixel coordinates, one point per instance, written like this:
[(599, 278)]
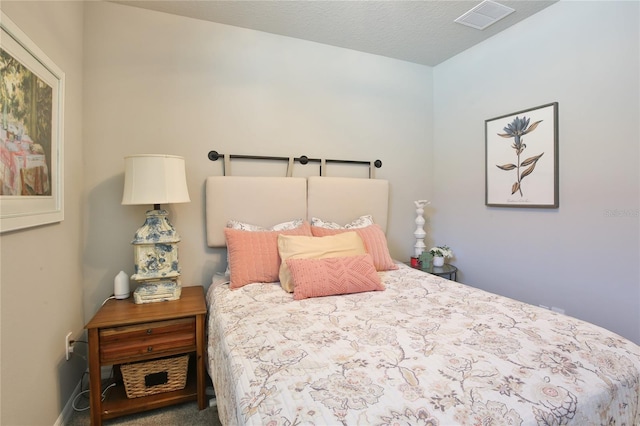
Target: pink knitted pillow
[(374, 241), (302, 247), (333, 275), (253, 255)]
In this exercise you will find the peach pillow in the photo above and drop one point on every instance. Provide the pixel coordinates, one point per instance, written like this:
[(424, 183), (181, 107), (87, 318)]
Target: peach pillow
[(253, 255), (236, 224), (333, 276), (299, 247), (374, 241)]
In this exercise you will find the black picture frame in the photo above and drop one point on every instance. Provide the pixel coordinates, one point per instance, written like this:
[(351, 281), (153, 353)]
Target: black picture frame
[(521, 158)]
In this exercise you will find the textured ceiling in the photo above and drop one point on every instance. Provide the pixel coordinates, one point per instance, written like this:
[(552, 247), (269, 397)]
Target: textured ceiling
[(416, 31)]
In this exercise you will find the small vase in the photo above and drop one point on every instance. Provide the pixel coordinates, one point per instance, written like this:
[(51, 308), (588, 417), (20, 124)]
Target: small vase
[(438, 261)]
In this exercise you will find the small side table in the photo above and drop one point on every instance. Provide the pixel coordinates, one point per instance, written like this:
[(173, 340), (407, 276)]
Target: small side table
[(123, 332), (448, 271)]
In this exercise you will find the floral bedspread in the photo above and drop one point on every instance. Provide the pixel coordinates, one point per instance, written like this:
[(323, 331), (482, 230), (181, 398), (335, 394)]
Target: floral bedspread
[(426, 351)]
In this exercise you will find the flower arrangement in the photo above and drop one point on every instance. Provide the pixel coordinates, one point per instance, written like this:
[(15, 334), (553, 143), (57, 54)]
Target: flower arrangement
[(441, 251)]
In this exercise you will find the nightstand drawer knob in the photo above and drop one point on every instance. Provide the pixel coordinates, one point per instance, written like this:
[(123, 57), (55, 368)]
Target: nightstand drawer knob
[(150, 349), (149, 330)]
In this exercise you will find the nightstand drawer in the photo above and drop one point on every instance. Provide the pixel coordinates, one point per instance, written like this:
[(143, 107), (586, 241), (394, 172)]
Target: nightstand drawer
[(122, 344)]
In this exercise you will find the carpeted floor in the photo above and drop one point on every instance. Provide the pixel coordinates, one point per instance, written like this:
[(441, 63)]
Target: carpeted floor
[(176, 415)]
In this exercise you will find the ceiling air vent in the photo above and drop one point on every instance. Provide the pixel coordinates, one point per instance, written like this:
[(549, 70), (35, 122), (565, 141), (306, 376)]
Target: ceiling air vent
[(486, 13)]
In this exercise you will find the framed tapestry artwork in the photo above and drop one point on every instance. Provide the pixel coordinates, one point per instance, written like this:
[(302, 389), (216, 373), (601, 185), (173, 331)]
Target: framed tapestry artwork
[(521, 158), (31, 133)]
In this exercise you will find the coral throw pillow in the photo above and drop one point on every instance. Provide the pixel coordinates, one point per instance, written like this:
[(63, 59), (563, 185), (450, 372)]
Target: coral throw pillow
[(300, 247), (253, 255), (333, 276), (284, 226), (374, 241)]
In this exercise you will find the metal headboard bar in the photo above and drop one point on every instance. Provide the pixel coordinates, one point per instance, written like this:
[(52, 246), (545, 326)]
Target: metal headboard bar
[(214, 155)]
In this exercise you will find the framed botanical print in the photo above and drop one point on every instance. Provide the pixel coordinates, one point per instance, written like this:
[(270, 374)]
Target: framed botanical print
[(521, 158), (31, 133)]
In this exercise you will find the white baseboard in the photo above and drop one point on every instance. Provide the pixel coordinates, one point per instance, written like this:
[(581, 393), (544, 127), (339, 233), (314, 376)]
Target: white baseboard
[(67, 411)]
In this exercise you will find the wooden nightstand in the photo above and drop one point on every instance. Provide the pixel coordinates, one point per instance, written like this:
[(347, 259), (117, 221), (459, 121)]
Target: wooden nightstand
[(123, 332)]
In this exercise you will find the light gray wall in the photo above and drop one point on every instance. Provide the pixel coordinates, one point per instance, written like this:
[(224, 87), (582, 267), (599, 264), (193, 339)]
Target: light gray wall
[(41, 274), (585, 56), (156, 83)]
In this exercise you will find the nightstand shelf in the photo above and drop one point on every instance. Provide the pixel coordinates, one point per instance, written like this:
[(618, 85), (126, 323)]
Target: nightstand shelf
[(117, 404), (123, 332)]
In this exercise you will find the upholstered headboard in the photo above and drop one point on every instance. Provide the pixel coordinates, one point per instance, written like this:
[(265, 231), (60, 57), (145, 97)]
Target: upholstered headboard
[(266, 201), (262, 201), (342, 200)]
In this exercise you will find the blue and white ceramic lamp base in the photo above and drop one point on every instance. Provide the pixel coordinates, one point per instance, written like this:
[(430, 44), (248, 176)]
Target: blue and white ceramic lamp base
[(156, 260), (157, 291)]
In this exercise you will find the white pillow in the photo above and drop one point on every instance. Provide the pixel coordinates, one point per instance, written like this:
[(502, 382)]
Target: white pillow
[(361, 222), (284, 226)]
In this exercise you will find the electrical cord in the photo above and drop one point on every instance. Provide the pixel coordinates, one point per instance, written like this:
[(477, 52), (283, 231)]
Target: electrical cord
[(72, 342), (107, 299), (83, 392), (104, 395)]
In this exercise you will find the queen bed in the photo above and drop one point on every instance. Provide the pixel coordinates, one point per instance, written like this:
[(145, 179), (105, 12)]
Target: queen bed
[(383, 343)]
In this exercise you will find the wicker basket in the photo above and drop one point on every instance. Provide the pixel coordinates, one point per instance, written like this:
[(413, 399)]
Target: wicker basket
[(157, 376)]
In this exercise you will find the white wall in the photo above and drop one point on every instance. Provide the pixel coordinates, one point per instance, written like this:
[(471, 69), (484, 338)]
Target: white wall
[(41, 276), (585, 56), (156, 83)]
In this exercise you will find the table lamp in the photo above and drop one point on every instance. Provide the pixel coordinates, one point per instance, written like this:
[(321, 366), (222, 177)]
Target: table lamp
[(155, 179)]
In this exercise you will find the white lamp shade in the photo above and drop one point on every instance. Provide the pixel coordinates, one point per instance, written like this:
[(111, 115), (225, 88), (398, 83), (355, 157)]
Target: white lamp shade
[(154, 179)]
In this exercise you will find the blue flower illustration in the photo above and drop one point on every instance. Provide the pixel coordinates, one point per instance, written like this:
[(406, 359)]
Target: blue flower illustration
[(516, 130)]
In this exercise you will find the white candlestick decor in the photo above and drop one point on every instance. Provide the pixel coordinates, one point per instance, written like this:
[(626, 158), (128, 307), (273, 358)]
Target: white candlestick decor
[(419, 232)]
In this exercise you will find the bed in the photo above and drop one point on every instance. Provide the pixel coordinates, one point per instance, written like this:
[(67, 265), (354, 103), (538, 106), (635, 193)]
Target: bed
[(420, 350)]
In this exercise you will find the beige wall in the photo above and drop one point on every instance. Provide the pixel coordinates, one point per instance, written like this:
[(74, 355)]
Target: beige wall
[(584, 256), (156, 83), (41, 275), (139, 81)]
